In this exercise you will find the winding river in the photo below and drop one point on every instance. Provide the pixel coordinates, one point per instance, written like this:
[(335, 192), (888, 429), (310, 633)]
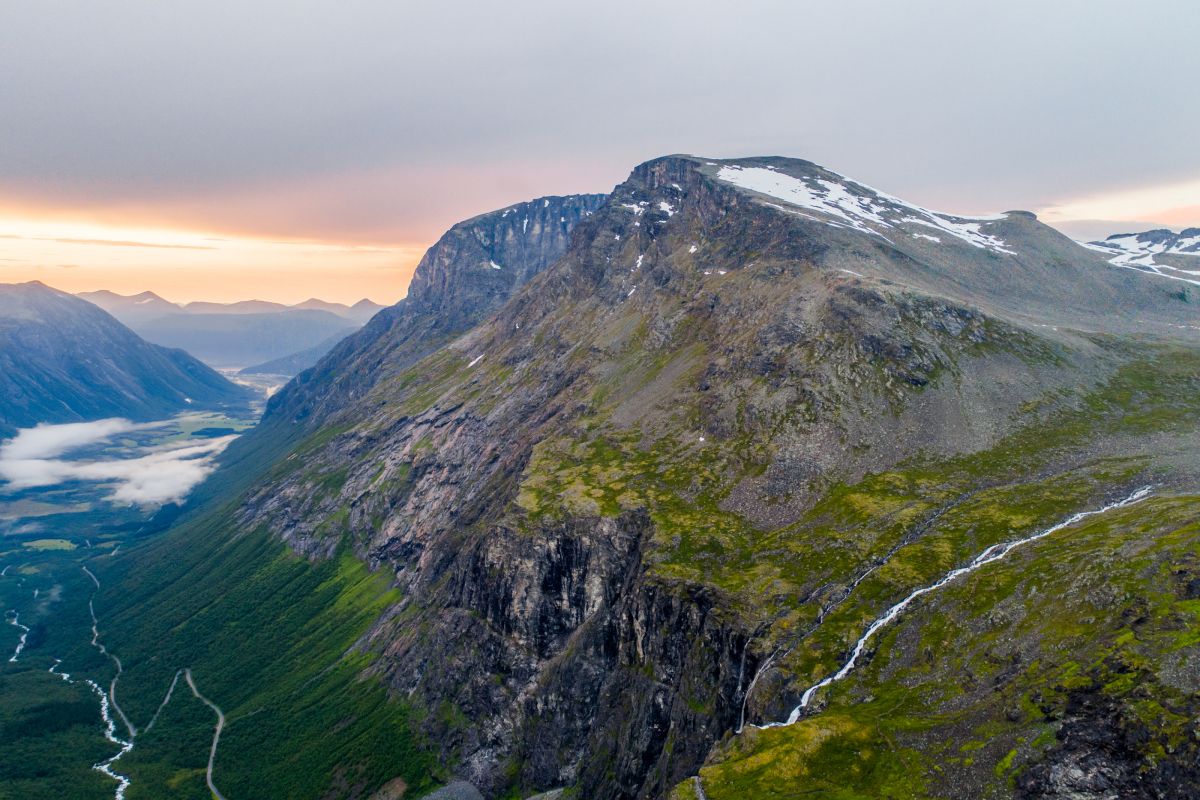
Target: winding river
[(14, 619)]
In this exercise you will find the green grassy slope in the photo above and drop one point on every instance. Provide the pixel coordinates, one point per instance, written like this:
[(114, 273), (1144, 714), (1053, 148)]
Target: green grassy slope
[(270, 638), (972, 686)]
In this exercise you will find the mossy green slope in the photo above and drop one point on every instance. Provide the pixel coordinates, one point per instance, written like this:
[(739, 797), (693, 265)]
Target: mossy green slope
[(971, 687), (272, 639)]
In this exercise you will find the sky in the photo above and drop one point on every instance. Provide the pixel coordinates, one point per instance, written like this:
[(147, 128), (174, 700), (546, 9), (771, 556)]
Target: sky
[(283, 149)]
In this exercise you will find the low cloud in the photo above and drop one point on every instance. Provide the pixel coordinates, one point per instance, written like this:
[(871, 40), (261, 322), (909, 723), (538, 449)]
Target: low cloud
[(160, 474), (48, 441)]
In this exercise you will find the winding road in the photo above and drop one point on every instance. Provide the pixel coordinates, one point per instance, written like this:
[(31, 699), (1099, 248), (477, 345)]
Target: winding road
[(108, 705), (212, 753), (163, 704)]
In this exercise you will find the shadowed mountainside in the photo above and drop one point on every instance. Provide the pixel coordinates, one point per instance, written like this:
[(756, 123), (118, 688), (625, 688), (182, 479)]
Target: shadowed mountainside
[(62, 359)]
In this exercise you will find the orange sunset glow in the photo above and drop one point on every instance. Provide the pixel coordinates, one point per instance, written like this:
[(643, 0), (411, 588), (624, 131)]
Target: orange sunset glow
[(184, 265)]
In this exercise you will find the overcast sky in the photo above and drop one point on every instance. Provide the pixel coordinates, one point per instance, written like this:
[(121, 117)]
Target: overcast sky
[(366, 127)]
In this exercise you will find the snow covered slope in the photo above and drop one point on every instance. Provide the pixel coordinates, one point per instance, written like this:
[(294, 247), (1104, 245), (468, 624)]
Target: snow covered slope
[(1153, 251), (842, 202)]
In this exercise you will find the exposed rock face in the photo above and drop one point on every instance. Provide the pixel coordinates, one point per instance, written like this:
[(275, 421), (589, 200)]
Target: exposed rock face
[(468, 274), (611, 679), (587, 492), (1100, 755), (476, 265)]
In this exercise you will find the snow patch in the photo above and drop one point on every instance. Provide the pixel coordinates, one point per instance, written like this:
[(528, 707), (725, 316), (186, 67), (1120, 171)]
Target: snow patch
[(1137, 251), (849, 204)]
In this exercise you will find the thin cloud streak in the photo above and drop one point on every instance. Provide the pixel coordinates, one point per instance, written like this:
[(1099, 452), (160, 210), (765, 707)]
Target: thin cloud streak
[(194, 265), (1167, 204)]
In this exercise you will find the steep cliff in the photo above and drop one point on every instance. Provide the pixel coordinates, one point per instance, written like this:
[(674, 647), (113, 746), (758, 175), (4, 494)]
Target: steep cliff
[(470, 272)]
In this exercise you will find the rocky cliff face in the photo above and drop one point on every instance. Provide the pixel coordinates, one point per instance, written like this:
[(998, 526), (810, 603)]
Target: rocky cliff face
[(651, 477), (477, 264), (468, 274)]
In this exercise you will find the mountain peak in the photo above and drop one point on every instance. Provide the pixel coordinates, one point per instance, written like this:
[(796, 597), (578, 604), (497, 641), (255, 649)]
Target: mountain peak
[(810, 190), (480, 260)]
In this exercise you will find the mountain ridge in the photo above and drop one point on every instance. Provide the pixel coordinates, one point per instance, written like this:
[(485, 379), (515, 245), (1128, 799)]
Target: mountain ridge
[(658, 488), (65, 360), (1160, 251)]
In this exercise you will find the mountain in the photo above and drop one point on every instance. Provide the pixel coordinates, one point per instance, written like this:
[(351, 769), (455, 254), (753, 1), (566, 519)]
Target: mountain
[(363, 310), (471, 271), (131, 310), (241, 338), (747, 480), (292, 337), (62, 359), (360, 312), (294, 363), (240, 307), (1161, 251)]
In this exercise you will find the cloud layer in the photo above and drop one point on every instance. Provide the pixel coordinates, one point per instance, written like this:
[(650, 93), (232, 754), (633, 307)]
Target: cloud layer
[(156, 475), (378, 121)]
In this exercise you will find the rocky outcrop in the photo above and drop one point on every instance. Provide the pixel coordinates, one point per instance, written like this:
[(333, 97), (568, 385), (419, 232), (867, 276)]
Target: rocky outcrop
[(1103, 753), (467, 275), (566, 663)]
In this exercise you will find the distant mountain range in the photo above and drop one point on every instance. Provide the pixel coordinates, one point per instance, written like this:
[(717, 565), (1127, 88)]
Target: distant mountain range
[(248, 332), (147, 305), (65, 360)]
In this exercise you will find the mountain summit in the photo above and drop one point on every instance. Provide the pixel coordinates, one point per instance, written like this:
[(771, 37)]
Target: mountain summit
[(699, 487)]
